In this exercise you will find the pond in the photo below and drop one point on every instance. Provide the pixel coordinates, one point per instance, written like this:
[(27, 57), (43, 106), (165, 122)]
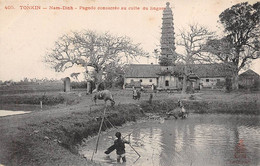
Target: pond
[(201, 140), (8, 112)]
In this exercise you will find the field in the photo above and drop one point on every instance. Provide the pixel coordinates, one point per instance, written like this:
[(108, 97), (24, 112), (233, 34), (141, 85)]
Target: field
[(50, 136), (29, 97), (21, 88)]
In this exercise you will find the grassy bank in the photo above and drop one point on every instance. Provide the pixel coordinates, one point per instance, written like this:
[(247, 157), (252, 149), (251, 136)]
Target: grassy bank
[(51, 137), (204, 106), (53, 141), (31, 101)]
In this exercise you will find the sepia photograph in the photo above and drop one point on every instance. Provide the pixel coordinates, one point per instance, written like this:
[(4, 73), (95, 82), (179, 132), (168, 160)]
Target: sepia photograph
[(129, 82)]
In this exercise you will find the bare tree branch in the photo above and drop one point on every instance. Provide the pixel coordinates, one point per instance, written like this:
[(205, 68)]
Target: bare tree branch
[(192, 40), (90, 49)]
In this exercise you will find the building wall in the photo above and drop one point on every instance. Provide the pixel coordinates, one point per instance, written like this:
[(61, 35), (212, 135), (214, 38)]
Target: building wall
[(249, 81), (210, 82), (194, 84), (172, 82), (175, 83), (246, 82), (144, 81)]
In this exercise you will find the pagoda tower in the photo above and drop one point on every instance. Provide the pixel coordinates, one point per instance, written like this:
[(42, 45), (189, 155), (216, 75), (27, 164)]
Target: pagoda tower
[(168, 54)]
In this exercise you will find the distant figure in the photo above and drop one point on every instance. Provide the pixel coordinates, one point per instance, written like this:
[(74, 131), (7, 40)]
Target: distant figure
[(119, 145), (134, 93), (152, 87), (138, 95), (183, 113), (155, 88), (103, 95), (151, 98), (142, 89), (133, 87)]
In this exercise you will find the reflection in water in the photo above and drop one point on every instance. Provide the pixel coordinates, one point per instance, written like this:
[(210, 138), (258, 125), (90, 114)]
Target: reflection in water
[(199, 140)]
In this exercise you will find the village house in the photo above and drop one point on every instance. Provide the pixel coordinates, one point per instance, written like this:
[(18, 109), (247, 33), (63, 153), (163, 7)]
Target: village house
[(212, 76), (202, 76), (249, 79)]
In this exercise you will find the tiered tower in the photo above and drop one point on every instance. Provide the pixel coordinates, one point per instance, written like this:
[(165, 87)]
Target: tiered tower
[(168, 54)]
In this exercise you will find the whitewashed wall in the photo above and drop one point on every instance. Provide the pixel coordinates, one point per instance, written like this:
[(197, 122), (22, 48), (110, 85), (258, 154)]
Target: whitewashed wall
[(145, 81), (212, 81), (172, 82)]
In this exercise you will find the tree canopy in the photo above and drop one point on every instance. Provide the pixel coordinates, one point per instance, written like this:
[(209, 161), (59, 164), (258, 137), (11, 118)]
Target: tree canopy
[(91, 49), (241, 42)]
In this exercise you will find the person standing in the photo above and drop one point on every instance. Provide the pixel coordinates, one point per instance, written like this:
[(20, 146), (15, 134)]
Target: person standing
[(119, 145), (134, 93)]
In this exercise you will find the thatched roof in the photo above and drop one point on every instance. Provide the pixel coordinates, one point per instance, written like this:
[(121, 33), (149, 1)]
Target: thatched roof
[(153, 71), (249, 73), (142, 71), (212, 70)]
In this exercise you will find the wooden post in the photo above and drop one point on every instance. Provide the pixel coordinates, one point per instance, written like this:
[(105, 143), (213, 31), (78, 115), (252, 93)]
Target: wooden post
[(95, 151), (67, 86), (134, 150)]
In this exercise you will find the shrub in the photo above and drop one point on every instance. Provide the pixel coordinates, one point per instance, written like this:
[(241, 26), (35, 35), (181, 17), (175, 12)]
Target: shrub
[(78, 85)]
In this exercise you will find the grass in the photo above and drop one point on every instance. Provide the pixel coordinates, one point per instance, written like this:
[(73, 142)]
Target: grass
[(47, 98), (31, 88)]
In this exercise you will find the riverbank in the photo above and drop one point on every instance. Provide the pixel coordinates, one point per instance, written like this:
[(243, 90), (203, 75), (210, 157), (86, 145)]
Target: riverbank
[(204, 106), (50, 137)]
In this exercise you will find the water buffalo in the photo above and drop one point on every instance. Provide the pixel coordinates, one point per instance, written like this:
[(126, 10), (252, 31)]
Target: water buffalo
[(103, 95), (177, 113)]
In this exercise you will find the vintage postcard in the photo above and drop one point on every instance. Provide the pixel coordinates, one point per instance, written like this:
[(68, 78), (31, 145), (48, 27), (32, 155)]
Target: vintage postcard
[(132, 82)]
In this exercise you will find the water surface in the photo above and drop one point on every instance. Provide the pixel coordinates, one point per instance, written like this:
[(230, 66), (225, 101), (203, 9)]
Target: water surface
[(200, 140), (8, 112)]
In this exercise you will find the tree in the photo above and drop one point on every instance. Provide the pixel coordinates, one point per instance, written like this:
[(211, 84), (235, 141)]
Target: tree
[(114, 75), (241, 43), (193, 40), (89, 49)]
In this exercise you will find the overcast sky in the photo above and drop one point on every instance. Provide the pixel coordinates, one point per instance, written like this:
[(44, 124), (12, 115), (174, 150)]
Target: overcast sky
[(26, 35)]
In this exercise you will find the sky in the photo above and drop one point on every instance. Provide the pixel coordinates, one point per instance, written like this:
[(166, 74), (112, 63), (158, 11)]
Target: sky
[(26, 34)]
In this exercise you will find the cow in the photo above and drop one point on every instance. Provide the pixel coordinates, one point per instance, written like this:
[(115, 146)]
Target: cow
[(103, 95)]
